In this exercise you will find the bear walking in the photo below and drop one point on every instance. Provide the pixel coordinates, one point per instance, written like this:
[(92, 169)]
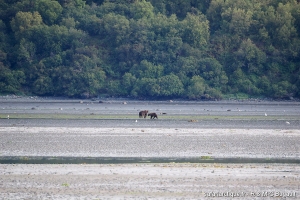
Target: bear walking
[(153, 115), (143, 113)]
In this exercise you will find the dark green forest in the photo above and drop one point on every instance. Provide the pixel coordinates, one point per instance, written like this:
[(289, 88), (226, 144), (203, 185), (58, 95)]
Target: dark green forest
[(191, 49)]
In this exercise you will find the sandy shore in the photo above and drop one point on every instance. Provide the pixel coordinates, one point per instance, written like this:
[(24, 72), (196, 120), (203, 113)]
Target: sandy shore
[(149, 142), (150, 181)]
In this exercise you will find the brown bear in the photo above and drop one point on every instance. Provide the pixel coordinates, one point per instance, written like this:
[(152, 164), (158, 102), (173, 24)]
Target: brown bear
[(143, 113), (153, 115)]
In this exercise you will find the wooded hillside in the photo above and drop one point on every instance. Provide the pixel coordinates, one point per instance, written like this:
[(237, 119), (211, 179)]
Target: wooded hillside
[(195, 49)]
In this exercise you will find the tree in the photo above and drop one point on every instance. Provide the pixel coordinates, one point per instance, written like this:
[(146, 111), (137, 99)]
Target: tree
[(78, 4), (147, 70), (214, 15), (10, 81), (27, 51), (24, 21), (115, 28), (49, 39), (237, 21), (128, 82), (188, 66), (283, 89), (251, 56), (196, 31), (196, 88), (50, 10), (212, 71), (147, 87), (170, 86), (43, 86), (68, 22), (141, 9)]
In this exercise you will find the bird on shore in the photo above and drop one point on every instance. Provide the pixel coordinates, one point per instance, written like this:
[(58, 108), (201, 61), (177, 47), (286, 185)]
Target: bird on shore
[(7, 116)]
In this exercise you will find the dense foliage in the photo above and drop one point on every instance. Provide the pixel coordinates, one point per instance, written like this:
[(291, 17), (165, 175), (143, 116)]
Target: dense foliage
[(196, 49)]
